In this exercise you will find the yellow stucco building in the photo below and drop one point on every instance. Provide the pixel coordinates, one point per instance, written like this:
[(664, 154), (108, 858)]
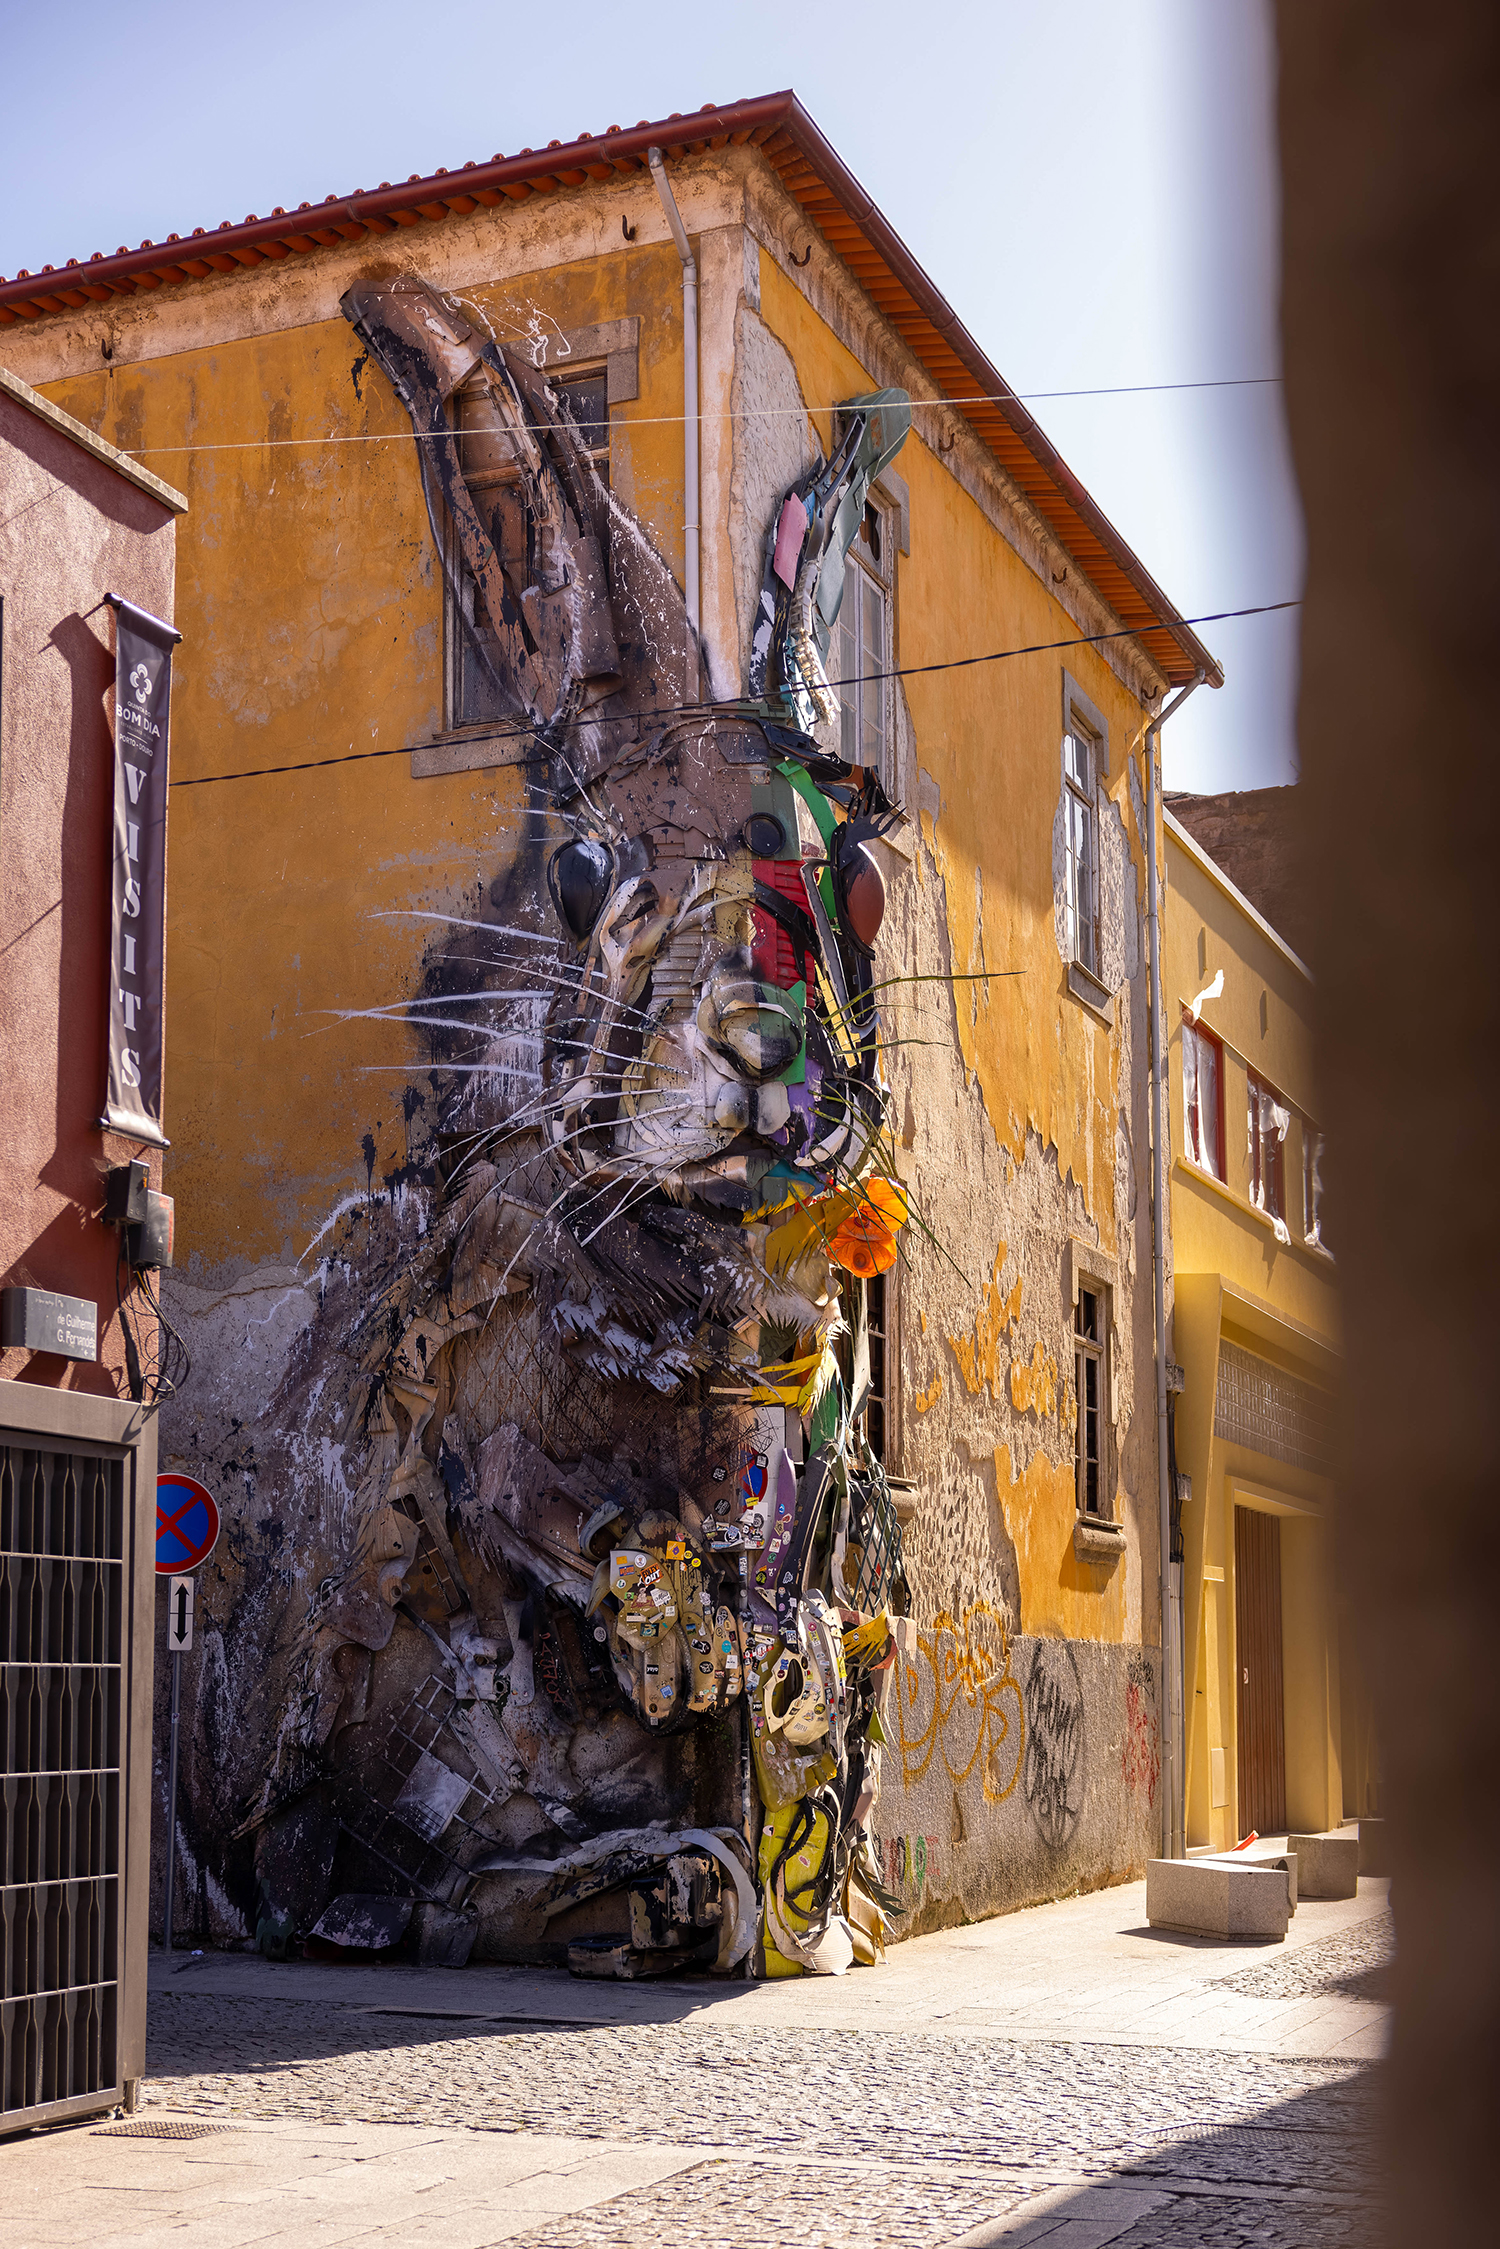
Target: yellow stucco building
[(341, 796), (1273, 1737)]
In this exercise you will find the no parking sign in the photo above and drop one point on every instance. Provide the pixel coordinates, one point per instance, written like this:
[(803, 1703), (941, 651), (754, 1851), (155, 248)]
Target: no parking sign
[(187, 1524)]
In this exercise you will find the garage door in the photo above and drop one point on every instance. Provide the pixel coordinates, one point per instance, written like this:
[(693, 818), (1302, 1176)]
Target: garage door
[(1262, 1708)]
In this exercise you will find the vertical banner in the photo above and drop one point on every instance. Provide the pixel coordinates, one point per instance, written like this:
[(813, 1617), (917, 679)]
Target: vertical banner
[(143, 689)]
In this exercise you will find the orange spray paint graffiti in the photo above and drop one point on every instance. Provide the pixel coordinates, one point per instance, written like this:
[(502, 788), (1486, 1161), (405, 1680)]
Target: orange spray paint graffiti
[(956, 1699)]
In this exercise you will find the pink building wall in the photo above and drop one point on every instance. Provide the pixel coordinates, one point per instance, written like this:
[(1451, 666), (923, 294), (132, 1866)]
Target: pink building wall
[(76, 522)]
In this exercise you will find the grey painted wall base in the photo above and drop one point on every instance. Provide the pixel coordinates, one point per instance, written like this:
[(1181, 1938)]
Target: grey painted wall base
[(1015, 1770)]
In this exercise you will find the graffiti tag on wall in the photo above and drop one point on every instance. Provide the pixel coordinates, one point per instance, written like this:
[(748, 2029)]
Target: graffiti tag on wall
[(1140, 1756), (959, 1701), (909, 1860), (1053, 1762)]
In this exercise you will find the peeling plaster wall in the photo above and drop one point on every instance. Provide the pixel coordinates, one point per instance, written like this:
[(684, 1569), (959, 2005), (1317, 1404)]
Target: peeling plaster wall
[(1024, 1755), (987, 1416), (1024, 1129), (773, 446)]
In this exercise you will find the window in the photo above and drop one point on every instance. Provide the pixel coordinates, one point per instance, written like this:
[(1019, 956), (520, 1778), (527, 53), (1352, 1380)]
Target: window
[(879, 1303), (1081, 842), (1088, 919), (1203, 1099), (494, 485), (1268, 1122), (858, 655), (877, 1429), (585, 392), (1088, 1371), (484, 449), (1314, 1219)]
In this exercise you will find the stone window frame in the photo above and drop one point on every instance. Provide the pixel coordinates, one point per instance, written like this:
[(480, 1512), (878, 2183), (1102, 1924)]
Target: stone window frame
[(613, 345), (858, 1300), (1101, 1537), (1082, 715)]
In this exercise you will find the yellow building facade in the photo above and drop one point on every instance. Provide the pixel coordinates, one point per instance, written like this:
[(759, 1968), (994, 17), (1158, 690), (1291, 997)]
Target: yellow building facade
[(340, 799), (1273, 1740)]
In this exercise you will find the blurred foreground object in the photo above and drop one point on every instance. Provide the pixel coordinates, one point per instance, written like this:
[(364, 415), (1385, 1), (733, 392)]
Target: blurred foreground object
[(1388, 125)]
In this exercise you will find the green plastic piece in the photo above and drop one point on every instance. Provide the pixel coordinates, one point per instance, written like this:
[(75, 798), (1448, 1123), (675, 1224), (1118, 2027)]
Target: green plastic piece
[(885, 434), (797, 1074), (826, 820), (827, 1415)]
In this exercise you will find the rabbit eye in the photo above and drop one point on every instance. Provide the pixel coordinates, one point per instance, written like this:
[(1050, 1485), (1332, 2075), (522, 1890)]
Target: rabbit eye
[(764, 836), (864, 899), (579, 877)]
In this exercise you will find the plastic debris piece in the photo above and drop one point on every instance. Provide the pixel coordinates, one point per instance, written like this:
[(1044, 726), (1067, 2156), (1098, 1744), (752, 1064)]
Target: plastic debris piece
[(364, 1924)]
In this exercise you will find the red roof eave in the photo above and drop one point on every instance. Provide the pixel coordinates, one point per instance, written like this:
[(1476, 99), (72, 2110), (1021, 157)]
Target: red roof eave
[(815, 176)]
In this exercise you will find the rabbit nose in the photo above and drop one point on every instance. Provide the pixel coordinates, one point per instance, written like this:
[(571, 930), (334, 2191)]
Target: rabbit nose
[(743, 1108), (756, 1028)]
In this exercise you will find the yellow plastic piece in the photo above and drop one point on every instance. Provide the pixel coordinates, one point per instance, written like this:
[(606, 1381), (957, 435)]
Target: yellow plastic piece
[(866, 1640), (803, 1866)]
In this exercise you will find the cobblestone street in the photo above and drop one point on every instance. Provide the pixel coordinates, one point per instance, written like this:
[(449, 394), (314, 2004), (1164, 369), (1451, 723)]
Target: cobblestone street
[(819, 2136), (1063, 2075), (819, 2096), (760, 2128)]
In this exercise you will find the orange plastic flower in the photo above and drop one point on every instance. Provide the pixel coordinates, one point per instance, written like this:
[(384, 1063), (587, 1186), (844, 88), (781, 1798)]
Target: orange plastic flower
[(864, 1245), (889, 1199)]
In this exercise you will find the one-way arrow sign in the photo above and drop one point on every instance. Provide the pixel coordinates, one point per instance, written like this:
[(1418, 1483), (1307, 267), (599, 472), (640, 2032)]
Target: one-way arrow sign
[(180, 1615)]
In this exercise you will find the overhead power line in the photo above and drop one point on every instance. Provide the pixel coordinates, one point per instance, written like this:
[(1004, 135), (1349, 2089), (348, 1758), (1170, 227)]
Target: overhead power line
[(728, 414), (678, 711)]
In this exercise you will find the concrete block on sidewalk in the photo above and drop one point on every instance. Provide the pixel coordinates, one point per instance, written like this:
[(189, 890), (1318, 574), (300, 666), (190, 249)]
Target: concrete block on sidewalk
[(1374, 1856), (1218, 1898), (1327, 1865), (1260, 1854)]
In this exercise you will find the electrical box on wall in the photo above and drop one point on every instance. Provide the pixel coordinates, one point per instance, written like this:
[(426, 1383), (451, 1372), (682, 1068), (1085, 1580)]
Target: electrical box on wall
[(126, 1187), (132, 1202), (150, 1243)]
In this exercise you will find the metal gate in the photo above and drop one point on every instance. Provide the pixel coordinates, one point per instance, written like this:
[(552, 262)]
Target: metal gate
[(75, 1563), (1261, 1696)]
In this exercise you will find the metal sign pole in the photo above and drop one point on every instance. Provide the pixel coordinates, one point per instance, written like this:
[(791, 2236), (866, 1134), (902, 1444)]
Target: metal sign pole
[(187, 1530), (166, 1939), (179, 1639)]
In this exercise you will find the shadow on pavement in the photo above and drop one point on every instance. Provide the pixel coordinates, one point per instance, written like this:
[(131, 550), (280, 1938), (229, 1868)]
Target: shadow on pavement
[(207, 2036), (1186, 1940), (1304, 2173)]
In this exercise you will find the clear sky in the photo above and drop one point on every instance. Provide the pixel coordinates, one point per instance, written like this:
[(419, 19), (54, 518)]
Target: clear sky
[(1092, 186)]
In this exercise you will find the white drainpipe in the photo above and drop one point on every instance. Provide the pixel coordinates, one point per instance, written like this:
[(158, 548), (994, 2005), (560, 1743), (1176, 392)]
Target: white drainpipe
[(1171, 1687), (689, 384)]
